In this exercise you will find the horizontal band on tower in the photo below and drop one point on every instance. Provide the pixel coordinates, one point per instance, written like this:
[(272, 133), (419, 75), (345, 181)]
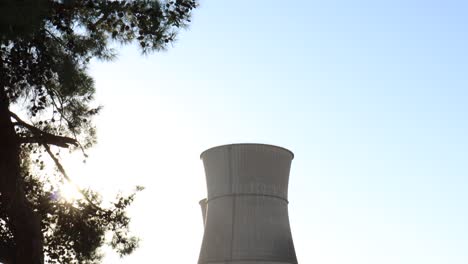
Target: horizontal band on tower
[(285, 261), (247, 194)]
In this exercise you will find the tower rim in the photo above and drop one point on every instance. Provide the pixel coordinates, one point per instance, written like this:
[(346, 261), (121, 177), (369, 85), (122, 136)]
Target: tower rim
[(248, 144)]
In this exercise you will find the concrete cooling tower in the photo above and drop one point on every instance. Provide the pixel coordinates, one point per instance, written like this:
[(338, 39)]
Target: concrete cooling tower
[(246, 211)]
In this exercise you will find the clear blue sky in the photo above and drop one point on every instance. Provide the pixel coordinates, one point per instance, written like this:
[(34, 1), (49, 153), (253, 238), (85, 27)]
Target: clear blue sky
[(371, 96)]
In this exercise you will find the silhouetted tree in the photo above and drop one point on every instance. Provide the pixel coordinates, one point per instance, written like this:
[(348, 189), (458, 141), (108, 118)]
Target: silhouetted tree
[(45, 48)]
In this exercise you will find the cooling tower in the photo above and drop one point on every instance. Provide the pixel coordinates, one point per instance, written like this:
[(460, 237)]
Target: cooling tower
[(246, 210)]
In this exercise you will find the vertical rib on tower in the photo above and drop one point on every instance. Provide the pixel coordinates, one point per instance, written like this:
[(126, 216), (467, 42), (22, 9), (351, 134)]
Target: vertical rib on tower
[(246, 218)]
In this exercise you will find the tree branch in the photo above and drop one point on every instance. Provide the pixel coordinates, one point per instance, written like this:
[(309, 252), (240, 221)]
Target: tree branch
[(62, 116), (104, 17), (42, 136), (65, 175), (46, 139), (55, 38), (58, 141)]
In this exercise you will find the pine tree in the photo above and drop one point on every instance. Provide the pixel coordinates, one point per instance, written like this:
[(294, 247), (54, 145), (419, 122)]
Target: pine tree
[(45, 49)]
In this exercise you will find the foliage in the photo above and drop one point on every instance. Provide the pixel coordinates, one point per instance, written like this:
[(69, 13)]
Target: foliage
[(74, 230), (45, 49)]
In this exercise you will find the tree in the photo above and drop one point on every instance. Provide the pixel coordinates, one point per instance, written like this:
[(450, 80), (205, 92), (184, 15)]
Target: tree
[(45, 48)]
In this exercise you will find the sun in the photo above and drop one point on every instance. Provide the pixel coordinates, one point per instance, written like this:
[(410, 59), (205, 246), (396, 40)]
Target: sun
[(69, 192)]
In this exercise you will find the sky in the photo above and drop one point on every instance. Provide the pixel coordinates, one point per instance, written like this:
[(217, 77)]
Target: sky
[(371, 96)]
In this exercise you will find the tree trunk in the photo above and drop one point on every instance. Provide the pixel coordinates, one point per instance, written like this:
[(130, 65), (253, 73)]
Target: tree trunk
[(22, 220), (7, 253)]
